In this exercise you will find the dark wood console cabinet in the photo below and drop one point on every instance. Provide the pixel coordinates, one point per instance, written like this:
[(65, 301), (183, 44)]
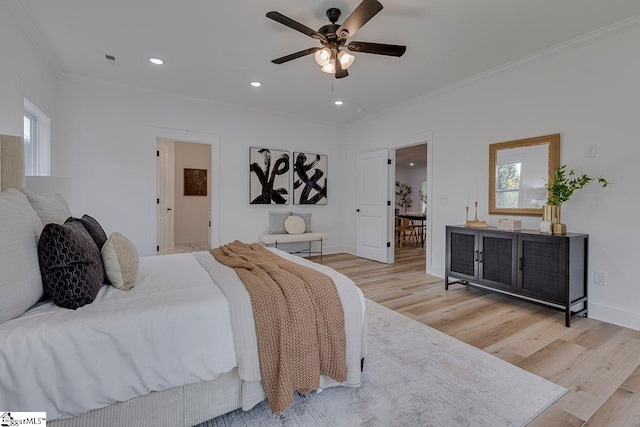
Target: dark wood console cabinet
[(546, 269)]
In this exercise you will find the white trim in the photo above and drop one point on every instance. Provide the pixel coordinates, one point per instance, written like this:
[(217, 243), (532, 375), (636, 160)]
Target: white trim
[(617, 316), (156, 133), (43, 136), (565, 47), (408, 141)]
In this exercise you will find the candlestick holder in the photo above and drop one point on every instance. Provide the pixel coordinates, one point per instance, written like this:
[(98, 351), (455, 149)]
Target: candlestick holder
[(476, 223)]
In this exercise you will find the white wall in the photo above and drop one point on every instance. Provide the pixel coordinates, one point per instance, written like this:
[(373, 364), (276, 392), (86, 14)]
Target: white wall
[(23, 73), (589, 95), (103, 146), (191, 213)]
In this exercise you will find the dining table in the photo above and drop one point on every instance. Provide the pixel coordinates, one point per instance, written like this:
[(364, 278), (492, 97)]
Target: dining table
[(416, 218)]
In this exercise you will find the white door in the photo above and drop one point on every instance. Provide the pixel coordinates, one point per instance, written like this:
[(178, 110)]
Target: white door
[(372, 187), (166, 196)]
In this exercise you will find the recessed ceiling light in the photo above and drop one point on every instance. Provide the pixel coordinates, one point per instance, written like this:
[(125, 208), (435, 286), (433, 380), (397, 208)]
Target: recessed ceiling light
[(156, 61), (411, 164), (359, 110), (338, 102), (256, 84)]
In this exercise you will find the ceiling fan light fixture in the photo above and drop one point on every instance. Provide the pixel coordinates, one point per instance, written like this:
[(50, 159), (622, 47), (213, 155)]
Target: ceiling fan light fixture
[(323, 57), (329, 68), (346, 59)]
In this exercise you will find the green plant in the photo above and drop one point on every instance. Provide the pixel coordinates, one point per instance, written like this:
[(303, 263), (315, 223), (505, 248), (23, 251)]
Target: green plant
[(564, 184), (423, 196), (403, 195)]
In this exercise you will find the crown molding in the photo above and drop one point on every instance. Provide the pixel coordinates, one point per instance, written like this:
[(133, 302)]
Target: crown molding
[(19, 12), (144, 90), (576, 43)]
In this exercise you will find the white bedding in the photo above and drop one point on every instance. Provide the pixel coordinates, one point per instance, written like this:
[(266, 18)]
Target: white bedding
[(125, 344), (172, 329)]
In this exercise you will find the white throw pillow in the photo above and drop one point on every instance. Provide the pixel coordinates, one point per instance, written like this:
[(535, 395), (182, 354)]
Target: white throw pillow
[(121, 261), (51, 208), (20, 279), (294, 224)]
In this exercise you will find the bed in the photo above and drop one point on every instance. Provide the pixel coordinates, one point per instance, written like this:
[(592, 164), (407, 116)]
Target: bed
[(178, 349)]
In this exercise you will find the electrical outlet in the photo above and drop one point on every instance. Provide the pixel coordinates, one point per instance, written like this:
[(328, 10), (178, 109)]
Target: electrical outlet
[(590, 150), (600, 278), (444, 198)]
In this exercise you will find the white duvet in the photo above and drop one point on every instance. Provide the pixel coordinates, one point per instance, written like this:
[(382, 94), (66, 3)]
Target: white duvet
[(157, 336)]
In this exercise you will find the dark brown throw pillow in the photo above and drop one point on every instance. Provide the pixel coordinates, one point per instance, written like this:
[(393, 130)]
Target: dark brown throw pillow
[(94, 228), (70, 264), (96, 232)]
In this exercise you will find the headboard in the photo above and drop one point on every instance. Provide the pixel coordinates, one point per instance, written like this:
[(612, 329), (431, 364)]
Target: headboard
[(11, 162)]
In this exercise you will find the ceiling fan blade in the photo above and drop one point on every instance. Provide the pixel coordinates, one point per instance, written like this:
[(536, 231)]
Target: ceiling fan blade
[(377, 48), (296, 55), (340, 72), (285, 20), (360, 16)]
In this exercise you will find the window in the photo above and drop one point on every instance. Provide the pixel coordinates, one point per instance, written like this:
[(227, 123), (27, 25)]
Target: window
[(36, 140), (508, 184)]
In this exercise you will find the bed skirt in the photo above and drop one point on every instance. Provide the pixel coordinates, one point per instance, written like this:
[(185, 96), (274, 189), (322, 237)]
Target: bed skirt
[(179, 406)]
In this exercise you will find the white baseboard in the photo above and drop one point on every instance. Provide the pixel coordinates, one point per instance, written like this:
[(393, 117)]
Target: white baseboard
[(436, 271), (617, 316), (350, 249)]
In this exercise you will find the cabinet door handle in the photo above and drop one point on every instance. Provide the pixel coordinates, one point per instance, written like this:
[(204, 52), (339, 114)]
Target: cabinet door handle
[(476, 257), (521, 264), (481, 258)]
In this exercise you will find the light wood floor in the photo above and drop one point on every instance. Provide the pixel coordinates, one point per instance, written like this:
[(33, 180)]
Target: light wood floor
[(598, 362)]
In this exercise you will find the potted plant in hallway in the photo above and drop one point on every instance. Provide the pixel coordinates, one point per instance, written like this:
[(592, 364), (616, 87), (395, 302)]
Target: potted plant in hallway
[(403, 196), (561, 189)]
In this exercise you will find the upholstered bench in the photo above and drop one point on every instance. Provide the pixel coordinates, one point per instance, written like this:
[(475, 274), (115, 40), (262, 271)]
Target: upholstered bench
[(275, 239)]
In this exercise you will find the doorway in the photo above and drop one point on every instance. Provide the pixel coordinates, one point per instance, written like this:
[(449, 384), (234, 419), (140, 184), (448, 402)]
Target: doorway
[(184, 196), (410, 213)]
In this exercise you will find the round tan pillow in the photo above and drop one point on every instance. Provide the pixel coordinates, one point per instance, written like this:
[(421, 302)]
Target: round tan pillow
[(294, 224)]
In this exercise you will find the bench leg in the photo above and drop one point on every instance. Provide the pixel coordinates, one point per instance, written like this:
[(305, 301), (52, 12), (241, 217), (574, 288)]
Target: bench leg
[(320, 250)]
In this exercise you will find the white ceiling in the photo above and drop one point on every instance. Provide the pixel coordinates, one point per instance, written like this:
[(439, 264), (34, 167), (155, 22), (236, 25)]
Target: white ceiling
[(213, 49), (413, 156)]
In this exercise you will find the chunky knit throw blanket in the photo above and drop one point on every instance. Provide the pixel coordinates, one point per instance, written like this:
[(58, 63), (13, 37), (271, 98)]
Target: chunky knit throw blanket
[(299, 321)]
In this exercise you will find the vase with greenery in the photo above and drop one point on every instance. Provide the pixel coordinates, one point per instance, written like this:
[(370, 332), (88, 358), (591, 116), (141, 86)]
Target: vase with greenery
[(423, 200), (403, 196), (562, 187)]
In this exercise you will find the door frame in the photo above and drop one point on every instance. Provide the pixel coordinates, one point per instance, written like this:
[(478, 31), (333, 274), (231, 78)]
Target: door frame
[(171, 244), (409, 141), (157, 133)]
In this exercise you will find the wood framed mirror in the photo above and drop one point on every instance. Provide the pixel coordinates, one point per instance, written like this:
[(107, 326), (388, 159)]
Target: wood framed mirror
[(518, 173)]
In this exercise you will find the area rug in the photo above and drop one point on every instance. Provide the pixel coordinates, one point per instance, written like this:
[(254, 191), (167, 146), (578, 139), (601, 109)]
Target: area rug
[(415, 375)]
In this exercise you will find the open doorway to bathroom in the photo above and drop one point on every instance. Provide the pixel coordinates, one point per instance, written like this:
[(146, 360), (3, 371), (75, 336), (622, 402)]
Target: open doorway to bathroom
[(410, 218), (184, 196)]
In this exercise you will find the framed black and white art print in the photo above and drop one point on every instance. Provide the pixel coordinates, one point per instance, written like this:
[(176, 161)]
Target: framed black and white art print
[(269, 176), (309, 179)]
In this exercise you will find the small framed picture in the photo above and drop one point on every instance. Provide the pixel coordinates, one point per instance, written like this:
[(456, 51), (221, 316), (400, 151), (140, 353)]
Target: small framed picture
[(195, 182)]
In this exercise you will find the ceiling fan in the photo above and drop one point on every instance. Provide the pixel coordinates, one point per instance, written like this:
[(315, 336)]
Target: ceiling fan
[(333, 37)]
